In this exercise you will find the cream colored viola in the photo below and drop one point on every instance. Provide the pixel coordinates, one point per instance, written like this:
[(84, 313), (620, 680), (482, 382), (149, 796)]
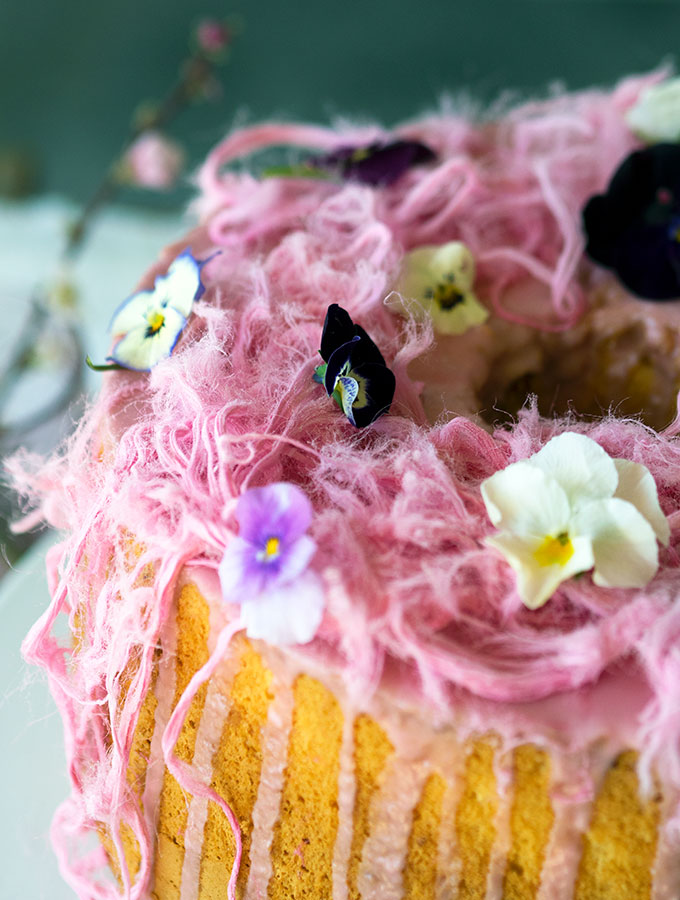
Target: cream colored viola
[(437, 282), (570, 508), (655, 116), (150, 322)]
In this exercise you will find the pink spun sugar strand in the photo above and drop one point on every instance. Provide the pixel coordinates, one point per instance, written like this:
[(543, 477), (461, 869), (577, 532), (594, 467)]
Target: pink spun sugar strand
[(398, 517)]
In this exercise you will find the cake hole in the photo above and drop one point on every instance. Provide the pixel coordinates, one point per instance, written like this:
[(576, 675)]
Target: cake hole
[(585, 373), (621, 358)]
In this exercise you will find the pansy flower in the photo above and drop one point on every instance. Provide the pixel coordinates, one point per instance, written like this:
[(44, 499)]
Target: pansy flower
[(634, 228), (379, 163), (655, 115), (265, 569), (354, 371), (440, 280), (570, 508), (150, 322)]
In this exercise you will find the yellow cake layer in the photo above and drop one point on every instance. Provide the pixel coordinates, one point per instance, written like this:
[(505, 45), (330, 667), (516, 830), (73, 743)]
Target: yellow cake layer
[(617, 851)]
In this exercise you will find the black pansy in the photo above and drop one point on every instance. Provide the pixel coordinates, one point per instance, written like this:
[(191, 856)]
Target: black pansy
[(379, 163), (634, 228), (353, 373)]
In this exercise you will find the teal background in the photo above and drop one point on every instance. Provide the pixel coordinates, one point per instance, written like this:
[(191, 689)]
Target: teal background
[(71, 71)]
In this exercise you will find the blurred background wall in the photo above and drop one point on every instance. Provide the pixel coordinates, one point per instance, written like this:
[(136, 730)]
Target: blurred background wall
[(71, 71)]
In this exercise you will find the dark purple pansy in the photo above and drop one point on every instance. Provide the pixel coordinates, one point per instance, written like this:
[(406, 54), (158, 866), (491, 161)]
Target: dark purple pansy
[(634, 228), (354, 372), (379, 163)]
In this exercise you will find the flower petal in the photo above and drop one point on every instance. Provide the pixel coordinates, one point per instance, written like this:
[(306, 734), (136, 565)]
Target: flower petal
[(338, 329), (460, 318), (628, 227), (523, 498), (295, 559), (637, 486), (241, 576), (537, 583), (279, 510), (379, 163), (579, 465), (338, 361), (456, 257), (182, 285), (133, 312), (655, 115), (644, 262), (376, 385), (425, 266), (140, 351), (287, 614), (348, 389), (624, 543)]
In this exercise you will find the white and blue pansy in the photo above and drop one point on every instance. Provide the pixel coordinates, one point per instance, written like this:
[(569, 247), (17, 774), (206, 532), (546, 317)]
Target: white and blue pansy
[(151, 322), (354, 372)]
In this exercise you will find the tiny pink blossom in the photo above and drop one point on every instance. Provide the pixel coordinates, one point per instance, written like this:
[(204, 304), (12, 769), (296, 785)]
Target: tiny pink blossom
[(154, 161), (213, 36)]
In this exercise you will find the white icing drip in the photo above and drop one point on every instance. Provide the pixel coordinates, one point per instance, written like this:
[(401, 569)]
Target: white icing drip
[(266, 810), (448, 856), (666, 870), (213, 718), (390, 820), (503, 766), (572, 793), (207, 741), (346, 794), (164, 689)]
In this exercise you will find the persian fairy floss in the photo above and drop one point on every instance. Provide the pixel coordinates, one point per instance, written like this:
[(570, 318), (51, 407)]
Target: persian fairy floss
[(570, 508)]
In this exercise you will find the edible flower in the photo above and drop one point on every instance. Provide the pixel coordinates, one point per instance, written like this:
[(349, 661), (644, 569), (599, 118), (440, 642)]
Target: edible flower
[(634, 228), (570, 508), (354, 371), (376, 164), (265, 567), (440, 279), (151, 322), (655, 115)]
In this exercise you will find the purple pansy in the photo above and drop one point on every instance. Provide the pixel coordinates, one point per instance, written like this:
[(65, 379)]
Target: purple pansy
[(265, 568), (379, 163)]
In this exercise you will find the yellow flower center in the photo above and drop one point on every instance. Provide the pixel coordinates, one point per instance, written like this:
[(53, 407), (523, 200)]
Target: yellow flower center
[(554, 551), (445, 293), (360, 154), (271, 548), (156, 321)]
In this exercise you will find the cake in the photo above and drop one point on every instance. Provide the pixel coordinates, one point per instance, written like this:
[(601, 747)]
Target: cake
[(369, 560)]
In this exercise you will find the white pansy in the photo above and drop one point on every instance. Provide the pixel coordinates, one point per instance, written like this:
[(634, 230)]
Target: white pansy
[(655, 116), (150, 322), (570, 508), (437, 282)]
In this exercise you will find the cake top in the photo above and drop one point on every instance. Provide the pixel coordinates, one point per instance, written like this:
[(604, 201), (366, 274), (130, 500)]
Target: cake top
[(311, 429)]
